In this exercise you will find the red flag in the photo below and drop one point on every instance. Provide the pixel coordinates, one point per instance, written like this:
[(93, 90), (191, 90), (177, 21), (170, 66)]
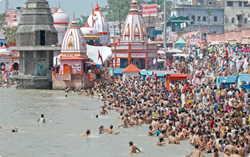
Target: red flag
[(100, 57)]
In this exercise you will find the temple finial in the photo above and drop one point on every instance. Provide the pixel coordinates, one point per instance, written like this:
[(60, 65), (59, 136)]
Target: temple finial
[(74, 16), (59, 5)]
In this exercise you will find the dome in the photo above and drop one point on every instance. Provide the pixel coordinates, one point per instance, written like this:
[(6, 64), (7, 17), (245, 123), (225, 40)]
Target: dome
[(4, 50), (87, 30), (14, 22), (134, 29), (60, 18), (73, 42)]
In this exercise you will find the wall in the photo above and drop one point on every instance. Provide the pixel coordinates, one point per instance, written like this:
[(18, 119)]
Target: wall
[(202, 12), (77, 81), (232, 12)]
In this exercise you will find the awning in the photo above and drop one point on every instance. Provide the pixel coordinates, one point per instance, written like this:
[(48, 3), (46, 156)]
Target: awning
[(160, 74), (244, 41), (91, 36), (229, 79), (92, 63), (232, 42), (143, 72), (118, 71)]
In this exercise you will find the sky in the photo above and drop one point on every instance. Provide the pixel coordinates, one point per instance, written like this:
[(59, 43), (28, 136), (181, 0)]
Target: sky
[(80, 7)]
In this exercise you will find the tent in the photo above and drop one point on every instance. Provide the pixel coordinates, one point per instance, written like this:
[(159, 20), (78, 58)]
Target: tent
[(92, 53), (227, 81), (180, 43), (243, 81), (174, 51), (131, 70)]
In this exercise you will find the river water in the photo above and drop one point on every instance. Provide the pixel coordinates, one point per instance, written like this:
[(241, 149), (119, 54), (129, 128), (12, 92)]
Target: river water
[(67, 119)]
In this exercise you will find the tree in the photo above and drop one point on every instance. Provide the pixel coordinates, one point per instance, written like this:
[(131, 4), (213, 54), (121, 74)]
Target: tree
[(117, 10), (10, 34), (81, 21), (2, 19)]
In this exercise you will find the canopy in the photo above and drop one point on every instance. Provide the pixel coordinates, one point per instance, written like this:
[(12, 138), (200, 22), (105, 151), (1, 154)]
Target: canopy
[(160, 74), (180, 43), (146, 72), (131, 68), (161, 60), (118, 71), (174, 51), (180, 55), (229, 79), (160, 52), (92, 53)]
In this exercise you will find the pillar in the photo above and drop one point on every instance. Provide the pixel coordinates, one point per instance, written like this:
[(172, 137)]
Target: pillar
[(147, 64), (156, 63), (115, 63), (129, 61)]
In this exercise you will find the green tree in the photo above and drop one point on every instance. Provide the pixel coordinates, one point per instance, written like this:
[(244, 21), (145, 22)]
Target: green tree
[(2, 19), (10, 34), (118, 9), (81, 21)]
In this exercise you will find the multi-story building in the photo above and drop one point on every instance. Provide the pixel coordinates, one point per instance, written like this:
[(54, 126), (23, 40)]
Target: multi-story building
[(236, 14), (207, 16)]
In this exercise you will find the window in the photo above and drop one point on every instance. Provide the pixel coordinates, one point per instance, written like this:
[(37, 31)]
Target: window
[(199, 18), (215, 18), (210, 3), (245, 20), (193, 18), (230, 4), (245, 4), (204, 18), (232, 21), (42, 37), (240, 4)]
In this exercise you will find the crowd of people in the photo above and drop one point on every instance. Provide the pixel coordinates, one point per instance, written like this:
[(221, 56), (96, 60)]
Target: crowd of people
[(214, 119)]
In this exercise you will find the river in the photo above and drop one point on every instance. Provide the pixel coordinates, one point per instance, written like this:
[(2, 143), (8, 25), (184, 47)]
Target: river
[(67, 119)]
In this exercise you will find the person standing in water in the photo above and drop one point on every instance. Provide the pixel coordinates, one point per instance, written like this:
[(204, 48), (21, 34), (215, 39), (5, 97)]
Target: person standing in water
[(86, 134), (133, 148), (42, 119), (196, 152)]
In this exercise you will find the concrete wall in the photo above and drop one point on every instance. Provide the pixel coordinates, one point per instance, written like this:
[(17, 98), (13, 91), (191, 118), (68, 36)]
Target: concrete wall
[(232, 12), (77, 81), (214, 26)]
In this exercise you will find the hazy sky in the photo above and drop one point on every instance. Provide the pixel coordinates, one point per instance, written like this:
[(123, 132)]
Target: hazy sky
[(80, 7)]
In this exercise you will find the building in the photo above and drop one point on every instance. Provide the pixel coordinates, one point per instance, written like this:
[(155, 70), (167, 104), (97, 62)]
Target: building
[(98, 21), (36, 39), (207, 17), (61, 22), (91, 35), (133, 47), (73, 61), (5, 59), (236, 14)]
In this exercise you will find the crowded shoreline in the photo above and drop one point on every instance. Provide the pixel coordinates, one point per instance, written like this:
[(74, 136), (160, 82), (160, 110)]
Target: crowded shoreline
[(214, 119)]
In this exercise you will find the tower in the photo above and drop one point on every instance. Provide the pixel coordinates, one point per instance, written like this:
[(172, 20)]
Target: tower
[(36, 39)]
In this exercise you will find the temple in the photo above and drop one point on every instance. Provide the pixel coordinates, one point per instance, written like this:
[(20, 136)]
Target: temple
[(133, 47), (74, 63), (98, 21), (91, 35), (73, 51), (36, 39), (61, 22)]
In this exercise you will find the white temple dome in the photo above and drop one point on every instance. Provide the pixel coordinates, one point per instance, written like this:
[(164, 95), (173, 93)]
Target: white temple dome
[(73, 41), (60, 18), (87, 30), (134, 29)]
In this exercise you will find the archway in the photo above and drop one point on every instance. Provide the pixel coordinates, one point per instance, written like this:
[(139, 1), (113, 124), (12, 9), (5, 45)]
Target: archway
[(66, 69), (15, 67), (2, 66)]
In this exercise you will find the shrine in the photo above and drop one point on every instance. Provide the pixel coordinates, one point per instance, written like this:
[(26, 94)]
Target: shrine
[(133, 47), (91, 35), (98, 21)]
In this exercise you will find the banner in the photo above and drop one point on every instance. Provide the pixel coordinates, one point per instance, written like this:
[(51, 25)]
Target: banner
[(149, 10)]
